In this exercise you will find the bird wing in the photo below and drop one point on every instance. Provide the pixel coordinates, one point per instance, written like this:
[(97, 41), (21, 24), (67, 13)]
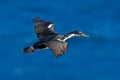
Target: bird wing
[(58, 47), (43, 28)]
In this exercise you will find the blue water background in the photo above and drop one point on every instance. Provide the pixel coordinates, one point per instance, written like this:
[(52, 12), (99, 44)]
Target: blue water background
[(94, 58)]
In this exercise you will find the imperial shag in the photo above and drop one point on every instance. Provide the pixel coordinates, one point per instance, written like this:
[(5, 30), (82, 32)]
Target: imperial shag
[(48, 38)]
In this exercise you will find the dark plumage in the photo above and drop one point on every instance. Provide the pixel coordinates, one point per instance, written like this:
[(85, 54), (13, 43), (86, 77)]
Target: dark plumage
[(48, 38)]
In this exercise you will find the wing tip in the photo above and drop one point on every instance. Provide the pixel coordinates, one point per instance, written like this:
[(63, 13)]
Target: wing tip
[(36, 19)]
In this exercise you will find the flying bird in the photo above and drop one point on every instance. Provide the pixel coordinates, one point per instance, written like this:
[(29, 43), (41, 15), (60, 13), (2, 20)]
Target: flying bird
[(50, 39)]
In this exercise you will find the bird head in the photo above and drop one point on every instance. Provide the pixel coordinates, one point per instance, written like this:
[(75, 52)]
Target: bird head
[(78, 33)]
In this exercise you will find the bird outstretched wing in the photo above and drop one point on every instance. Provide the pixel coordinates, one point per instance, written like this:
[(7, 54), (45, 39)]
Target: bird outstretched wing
[(43, 28), (58, 47)]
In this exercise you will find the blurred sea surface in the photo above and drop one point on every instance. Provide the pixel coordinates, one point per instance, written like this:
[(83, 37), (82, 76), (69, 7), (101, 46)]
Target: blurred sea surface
[(94, 58)]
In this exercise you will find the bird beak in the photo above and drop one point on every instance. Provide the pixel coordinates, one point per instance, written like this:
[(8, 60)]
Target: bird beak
[(84, 35)]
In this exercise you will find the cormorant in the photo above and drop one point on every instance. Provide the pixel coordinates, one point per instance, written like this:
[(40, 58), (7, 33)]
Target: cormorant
[(48, 38)]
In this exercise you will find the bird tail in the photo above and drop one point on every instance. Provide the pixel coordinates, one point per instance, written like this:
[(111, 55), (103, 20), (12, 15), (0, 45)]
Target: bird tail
[(29, 49)]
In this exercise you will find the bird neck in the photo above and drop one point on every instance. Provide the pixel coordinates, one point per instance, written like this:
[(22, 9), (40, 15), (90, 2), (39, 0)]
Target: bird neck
[(68, 36)]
